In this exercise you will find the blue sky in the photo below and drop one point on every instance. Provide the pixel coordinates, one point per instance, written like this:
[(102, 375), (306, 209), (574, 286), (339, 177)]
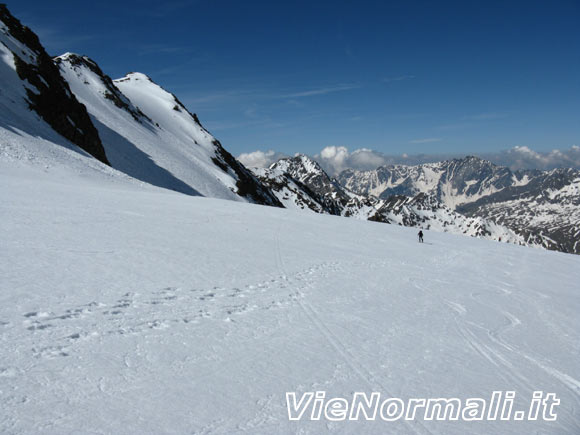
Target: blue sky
[(393, 76)]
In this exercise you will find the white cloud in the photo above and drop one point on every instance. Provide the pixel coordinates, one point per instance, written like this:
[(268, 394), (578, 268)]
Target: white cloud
[(522, 157), (260, 159), (335, 159), (366, 158)]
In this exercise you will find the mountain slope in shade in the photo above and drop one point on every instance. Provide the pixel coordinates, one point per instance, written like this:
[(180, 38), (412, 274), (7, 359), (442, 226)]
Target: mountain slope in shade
[(33, 94), (300, 182), (149, 134)]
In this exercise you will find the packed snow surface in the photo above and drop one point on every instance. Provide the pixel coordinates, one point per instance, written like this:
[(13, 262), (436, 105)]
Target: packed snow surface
[(131, 309)]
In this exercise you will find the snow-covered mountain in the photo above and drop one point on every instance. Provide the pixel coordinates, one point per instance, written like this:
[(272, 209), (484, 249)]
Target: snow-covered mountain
[(453, 182), (542, 206), (149, 134), (132, 123), (546, 210), (300, 182), (290, 192), (328, 195)]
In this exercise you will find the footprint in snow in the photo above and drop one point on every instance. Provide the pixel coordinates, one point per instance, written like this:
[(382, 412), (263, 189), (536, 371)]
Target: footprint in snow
[(39, 326), (36, 314)]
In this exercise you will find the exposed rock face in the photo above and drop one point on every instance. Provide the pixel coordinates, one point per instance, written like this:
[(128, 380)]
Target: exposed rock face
[(293, 193), (546, 211), (247, 184), (47, 93), (453, 182)]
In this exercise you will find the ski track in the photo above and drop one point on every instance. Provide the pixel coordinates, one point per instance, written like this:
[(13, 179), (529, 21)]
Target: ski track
[(493, 347), (335, 342)]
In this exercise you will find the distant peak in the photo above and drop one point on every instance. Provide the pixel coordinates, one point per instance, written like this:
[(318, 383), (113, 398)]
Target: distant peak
[(300, 158), (143, 81), (135, 76), (473, 160), (469, 158), (70, 56), (299, 162), (77, 60)]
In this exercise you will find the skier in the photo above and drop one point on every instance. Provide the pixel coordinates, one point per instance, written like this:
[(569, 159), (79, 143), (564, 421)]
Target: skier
[(420, 236)]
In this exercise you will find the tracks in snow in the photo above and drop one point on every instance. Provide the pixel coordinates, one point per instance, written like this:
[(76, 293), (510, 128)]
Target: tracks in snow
[(491, 345), (336, 343), (53, 333)]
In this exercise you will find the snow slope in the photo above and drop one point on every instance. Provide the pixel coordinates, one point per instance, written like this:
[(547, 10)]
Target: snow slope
[(131, 309), (149, 134)]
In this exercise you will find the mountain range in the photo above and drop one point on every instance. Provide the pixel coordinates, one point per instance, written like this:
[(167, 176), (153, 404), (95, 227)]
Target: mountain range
[(541, 206), (67, 104), (300, 182)]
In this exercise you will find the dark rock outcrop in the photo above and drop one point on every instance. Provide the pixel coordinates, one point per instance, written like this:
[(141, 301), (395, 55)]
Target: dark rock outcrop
[(54, 102)]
